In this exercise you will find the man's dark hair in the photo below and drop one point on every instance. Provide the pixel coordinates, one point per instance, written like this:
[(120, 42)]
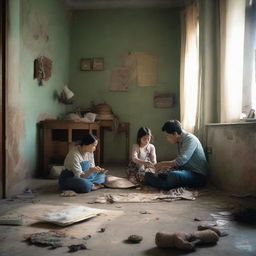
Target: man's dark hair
[(88, 139), (172, 126), (142, 132)]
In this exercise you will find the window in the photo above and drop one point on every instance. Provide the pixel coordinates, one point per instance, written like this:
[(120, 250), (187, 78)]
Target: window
[(249, 74)]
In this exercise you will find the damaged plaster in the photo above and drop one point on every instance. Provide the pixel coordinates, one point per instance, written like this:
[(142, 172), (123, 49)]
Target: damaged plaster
[(35, 28)]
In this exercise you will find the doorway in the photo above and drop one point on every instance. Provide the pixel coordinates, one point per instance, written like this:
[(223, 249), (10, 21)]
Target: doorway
[(3, 43)]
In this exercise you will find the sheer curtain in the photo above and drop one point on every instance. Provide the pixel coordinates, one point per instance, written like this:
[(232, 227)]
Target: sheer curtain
[(249, 79), (232, 21), (189, 74)]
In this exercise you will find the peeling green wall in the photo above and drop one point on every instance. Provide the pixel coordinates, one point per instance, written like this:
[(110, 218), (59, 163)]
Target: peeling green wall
[(36, 28), (231, 153), (45, 32), (109, 34)]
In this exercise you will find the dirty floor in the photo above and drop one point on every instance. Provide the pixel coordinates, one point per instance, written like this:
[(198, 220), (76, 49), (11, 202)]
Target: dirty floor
[(125, 219)]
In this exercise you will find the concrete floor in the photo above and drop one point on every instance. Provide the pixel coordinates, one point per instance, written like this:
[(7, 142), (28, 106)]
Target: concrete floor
[(124, 220)]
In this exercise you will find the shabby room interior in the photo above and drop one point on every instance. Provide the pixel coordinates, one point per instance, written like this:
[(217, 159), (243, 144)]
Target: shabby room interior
[(73, 67)]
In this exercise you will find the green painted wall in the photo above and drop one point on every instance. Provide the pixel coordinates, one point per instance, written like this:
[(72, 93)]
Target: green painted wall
[(111, 33), (36, 28)]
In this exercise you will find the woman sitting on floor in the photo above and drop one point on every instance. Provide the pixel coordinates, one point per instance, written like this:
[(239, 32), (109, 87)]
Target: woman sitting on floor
[(80, 173)]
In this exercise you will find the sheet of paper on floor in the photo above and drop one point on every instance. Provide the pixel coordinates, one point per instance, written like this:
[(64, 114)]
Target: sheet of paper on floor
[(69, 215)]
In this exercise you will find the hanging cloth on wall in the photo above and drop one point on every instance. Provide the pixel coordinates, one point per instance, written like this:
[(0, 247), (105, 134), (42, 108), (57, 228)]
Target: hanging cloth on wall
[(42, 69)]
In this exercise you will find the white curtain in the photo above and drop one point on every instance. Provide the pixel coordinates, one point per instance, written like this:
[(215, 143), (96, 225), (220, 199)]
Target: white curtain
[(232, 20), (249, 79), (189, 74)]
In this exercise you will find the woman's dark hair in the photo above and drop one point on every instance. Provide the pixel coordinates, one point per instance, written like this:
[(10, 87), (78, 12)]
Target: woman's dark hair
[(172, 126), (142, 132), (88, 139)]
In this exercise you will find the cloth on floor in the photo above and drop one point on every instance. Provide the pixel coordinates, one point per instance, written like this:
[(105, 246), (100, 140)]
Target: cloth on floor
[(172, 195), (55, 171), (117, 182), (68, 193)]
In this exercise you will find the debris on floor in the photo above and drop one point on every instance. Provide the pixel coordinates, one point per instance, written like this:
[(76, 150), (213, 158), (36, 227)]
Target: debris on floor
[(87, 237), (101, 230), (186, 241), (145, 212), (134, 239), (172, 195), (76, 247), (68, 193), (220, 224), (27, 194), (14, 220), (204, 227), (55, 239), (182, 193)]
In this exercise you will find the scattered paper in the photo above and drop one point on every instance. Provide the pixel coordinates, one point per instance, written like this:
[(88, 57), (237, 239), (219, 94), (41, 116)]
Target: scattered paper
[(69, 215)]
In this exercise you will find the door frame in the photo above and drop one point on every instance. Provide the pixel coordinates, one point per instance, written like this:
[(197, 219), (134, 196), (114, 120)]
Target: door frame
[(3, 86)]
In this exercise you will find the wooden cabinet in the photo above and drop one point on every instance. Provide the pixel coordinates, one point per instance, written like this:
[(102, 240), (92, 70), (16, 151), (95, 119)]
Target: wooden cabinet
[(59, 136)]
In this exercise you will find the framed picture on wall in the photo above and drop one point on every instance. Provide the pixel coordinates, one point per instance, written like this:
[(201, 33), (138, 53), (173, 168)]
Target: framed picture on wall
[(163, 100), (98, 64), (86, 64)]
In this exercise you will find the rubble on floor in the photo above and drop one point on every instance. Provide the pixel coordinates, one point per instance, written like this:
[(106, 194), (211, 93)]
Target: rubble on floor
[(55, 239)]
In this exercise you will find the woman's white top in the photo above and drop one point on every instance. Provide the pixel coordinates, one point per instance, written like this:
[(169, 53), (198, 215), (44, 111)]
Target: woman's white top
[(74, 159)]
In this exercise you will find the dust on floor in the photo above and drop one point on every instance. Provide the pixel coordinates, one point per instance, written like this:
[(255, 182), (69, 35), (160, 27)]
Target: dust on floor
[(109, 231)]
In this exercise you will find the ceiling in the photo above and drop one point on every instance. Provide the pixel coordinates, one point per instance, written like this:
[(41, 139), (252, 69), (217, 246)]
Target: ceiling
[(103, 4)]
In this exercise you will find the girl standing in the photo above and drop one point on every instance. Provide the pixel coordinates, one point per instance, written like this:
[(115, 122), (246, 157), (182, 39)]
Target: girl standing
[(80, 173), (143, 157)]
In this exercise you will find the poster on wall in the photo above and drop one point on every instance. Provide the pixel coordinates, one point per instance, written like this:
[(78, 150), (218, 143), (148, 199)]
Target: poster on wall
[(146, 69), (120, 79), (130, 62)]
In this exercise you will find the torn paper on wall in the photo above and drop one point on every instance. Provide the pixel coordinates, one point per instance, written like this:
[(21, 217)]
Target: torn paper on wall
[(130, 62), (146, 69), (120, 79)]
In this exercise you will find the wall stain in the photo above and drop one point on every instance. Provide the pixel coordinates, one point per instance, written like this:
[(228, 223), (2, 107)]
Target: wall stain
[(233, 156), (35, 26), (15, 133)]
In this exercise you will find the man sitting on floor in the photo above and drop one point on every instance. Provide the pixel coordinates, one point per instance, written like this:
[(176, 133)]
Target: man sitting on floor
[(188, 169)]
